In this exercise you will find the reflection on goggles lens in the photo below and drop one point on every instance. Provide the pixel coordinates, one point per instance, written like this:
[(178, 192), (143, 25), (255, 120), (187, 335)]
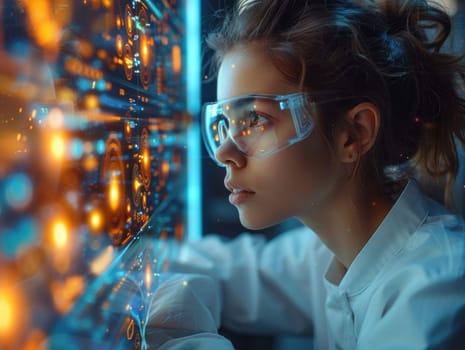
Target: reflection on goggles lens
[(259, 125)]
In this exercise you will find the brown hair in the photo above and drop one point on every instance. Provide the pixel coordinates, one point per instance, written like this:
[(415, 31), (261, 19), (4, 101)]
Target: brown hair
[(386, 52)]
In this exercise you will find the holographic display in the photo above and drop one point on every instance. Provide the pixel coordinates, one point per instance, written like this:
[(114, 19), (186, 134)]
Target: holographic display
[(94, 124)]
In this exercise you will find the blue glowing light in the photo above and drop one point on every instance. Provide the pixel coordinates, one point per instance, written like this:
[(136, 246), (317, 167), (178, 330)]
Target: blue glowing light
[(193, 73), (18, 191), (76, 148), (13, 240), (100, 146)]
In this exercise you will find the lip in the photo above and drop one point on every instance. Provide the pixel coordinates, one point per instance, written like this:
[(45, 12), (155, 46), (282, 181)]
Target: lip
[(239, 195)]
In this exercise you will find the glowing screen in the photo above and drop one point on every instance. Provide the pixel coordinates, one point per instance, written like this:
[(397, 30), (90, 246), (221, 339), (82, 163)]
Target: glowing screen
[(93, 153)]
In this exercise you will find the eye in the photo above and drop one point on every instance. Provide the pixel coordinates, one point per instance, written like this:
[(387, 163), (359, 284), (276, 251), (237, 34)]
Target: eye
[(256, 120)]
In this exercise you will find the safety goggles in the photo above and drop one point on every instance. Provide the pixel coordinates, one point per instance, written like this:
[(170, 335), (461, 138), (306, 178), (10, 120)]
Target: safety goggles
[(258, 125)]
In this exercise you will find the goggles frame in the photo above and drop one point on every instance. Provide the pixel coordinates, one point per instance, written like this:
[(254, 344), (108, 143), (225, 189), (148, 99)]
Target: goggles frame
[(296, 103)]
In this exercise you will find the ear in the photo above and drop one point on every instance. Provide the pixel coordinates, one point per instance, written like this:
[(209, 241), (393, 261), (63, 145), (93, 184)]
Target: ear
[(358, 132)]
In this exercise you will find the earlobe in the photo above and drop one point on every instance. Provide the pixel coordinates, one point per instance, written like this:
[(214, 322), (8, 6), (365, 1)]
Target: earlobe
[(359, 132)]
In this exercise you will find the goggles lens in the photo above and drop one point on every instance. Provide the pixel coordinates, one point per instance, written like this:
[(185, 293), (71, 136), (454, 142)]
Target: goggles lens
[(259, 125)]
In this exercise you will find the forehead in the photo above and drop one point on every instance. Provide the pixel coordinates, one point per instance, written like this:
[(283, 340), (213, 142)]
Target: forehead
[(248, 69)]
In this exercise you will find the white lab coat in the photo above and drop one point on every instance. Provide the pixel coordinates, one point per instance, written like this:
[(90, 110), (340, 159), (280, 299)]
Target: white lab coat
[(404, 290)]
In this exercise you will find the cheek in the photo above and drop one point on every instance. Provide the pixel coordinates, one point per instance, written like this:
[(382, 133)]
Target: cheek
[(299, 173)]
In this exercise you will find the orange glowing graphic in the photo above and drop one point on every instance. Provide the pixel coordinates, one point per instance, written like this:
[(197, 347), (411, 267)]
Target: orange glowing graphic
[(60, 233), (137, 184), (148, 276), (45, 28), (144, 50), (55, 118), (101, 262), (128, 21), (91, 102), (7, 321), (144, 200), (12, 313), (165, 168), (65, 292), (176, 53), (107, 3), (95, 220), (57, 146), (179, 231), (91, 81), (90, 162), (130, 330), (119, 45), (33, 340), (146, 159), (128, 61), (114, 192)]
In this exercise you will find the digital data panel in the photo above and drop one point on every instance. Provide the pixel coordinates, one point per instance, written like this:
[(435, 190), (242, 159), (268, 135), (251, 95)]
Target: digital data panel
[(94, 125)]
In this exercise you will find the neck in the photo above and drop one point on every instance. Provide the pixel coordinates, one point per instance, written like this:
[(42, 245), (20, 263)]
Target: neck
[(346, 221)]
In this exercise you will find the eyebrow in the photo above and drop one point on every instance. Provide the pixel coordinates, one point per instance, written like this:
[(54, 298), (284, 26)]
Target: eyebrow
[(240, 102)]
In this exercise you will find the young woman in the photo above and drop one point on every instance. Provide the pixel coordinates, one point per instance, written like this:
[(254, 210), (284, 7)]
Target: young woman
[(326, 110)]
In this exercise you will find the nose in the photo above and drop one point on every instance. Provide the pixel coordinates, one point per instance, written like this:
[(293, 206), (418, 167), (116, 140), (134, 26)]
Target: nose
[(228, 154)]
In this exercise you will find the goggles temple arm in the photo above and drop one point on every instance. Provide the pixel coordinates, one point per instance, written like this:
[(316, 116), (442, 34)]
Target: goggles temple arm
[(300, 115)]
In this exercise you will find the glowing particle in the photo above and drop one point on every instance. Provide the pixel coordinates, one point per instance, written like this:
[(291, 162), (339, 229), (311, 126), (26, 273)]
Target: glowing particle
[(91, 102), (55, 118), (165, 168), (90, 163), (57, 146), (60, 234), (95, 220), (107, 3)]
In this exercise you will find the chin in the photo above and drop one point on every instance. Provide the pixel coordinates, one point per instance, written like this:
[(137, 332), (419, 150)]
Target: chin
[(254, 223)]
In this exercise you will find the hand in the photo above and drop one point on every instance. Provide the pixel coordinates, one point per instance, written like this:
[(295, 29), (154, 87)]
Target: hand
[(185, 314)]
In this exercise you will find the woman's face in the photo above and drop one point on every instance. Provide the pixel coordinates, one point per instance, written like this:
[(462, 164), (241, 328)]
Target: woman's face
[(290, 183)]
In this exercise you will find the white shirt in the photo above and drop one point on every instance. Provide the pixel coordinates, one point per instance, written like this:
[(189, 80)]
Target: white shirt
[(404, 290)]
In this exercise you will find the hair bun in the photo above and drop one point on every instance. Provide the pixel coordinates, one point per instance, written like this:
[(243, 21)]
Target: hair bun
[(416, 18)]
